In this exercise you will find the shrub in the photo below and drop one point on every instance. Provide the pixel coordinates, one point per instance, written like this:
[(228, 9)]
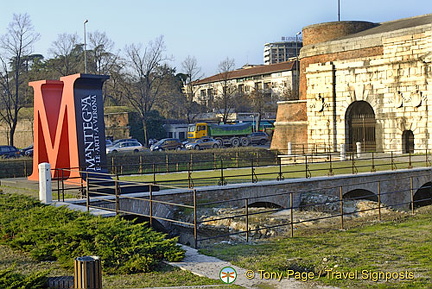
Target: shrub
[(51, 233), (9, 279)]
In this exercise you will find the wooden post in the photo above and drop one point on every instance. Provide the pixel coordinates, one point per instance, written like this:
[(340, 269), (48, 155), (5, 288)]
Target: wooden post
[(88, 273)]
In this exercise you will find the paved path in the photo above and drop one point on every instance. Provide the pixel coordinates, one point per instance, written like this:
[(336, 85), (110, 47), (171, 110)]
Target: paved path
[(210, 267)]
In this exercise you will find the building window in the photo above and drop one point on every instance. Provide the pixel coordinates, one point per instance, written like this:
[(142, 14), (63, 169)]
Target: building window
[(203, 93), (241, 88)]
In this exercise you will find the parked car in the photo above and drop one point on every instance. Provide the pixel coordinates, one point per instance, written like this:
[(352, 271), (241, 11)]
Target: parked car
[(123, 140), (27, 151), (127, 146), (8, 152), (167, 144), (258, 137), (202, 143)]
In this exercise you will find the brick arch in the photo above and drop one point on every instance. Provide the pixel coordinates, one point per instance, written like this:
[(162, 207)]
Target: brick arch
[(423, 196)]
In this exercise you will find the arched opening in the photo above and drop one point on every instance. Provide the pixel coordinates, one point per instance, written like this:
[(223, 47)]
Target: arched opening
[(360, 194), (408, 141), (360, 126), (423, 196), (265, 205), (158, 226)]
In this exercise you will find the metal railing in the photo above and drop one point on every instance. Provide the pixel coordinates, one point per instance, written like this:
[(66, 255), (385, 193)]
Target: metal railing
[(107, 192), (255, 169), (249, 216)]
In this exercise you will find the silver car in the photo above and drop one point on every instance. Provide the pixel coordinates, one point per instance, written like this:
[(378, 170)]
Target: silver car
[(202, 143), (127, 146)]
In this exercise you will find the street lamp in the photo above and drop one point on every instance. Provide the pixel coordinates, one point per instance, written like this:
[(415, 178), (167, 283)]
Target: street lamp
[(85, 47)]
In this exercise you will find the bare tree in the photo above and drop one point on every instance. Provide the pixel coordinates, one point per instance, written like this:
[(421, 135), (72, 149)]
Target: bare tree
[(101, 51), (191, 73), (226, 99), (67, 54), (144, 86), (17, 45)]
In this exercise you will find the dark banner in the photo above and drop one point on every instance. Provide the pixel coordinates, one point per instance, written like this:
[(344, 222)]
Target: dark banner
[(90, 122)]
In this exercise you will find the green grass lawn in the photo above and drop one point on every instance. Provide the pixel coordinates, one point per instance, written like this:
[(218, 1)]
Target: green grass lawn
[(403, 246)]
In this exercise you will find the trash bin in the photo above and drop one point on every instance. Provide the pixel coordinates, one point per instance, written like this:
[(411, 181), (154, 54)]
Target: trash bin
[(88, 273)]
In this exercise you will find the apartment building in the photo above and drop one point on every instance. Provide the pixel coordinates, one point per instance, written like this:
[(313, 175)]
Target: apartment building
[(277, 52), (277, 81)]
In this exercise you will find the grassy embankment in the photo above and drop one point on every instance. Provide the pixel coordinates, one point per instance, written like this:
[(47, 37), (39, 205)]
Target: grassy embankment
[(361, 257)]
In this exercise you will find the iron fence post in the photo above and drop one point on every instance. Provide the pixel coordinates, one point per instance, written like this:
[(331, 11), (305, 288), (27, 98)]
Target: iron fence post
[(379, 200), (56, 172), (63, 186), (330, 173), (409, 161), (113, 168), (195, 218), (82, 187), (373, 169), (291, 214), (353, 165), (341, 206), (280, 175), (254, 178), (393, 165), (117, 192), (167, 163), (412, 195), (190, 181), (222, 181), (427, 158), (151, 204), (87, 192), (154, 173), (307, 171), (247, 219)]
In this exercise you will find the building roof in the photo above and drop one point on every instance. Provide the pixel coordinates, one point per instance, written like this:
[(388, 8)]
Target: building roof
[(394, 25), (250, 71)]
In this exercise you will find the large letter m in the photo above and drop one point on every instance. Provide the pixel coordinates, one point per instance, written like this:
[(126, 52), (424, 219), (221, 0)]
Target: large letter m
[(57, 126)]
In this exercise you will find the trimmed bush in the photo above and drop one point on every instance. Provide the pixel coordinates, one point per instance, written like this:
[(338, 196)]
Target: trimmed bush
[(9, 279), (51, 233)]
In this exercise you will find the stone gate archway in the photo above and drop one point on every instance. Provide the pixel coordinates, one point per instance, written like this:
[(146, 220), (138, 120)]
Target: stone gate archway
[(408, 141), (360, 126)]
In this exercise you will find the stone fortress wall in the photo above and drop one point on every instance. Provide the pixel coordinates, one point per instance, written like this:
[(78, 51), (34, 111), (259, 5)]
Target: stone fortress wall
[(388, 66)]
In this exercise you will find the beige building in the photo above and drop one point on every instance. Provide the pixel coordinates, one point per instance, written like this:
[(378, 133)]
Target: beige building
[(275, 80), (362, 82)]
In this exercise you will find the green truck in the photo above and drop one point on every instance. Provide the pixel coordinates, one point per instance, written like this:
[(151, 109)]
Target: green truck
[(226, 134)]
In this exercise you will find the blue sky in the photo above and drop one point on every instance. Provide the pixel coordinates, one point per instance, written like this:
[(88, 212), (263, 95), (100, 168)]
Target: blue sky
[(207, 30)]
